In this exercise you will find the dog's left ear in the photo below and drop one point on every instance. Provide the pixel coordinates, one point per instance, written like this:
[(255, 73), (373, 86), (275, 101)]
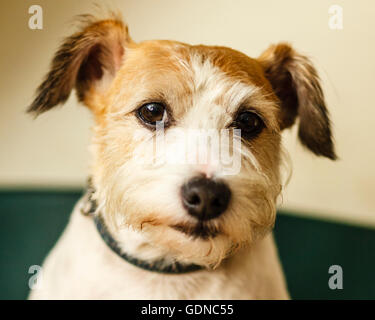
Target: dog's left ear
[(296, 84), (88, 59)]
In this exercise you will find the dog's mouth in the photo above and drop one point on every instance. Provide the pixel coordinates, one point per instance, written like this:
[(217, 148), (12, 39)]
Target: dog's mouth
[(199, 230)]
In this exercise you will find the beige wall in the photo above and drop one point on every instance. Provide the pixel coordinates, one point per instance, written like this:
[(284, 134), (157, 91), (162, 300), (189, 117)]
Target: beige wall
[(52, 150)]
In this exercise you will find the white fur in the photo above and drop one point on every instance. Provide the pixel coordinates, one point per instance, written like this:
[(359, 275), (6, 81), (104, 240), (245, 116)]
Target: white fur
[(81, 266)]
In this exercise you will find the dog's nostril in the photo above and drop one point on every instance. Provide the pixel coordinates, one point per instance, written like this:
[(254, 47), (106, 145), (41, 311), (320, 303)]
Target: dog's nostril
[(194, 200), (216, 202), (205, 198)]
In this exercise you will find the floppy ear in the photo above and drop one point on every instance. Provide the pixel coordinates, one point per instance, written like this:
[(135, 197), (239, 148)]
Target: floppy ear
[(82, 61), (296, 84)]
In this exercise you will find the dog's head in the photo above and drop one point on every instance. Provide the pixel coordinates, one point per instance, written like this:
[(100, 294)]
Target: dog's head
[(191, 210)]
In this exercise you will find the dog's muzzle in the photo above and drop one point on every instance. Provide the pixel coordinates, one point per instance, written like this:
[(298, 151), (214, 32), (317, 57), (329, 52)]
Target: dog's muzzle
[(89, 208)]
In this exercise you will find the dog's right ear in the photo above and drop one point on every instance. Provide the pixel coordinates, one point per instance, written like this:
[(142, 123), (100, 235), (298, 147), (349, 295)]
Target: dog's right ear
[(82, 61)]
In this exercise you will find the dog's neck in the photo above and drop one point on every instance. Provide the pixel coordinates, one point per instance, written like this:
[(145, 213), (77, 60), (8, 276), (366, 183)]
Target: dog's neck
[(162, 265)]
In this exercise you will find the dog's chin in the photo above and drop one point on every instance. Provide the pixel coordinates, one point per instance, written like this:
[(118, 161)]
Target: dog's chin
[(202, 243), (199, 230)]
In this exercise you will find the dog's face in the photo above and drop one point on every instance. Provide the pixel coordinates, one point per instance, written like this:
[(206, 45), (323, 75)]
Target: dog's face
[(188, 209)]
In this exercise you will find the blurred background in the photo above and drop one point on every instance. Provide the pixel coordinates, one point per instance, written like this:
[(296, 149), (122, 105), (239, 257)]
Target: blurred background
[(327, 215)]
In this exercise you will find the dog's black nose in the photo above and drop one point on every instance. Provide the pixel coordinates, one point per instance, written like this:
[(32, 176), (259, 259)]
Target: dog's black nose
[(205, 198)]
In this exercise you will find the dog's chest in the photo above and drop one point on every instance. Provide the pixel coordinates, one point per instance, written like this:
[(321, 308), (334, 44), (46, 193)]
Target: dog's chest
[(81, 266)]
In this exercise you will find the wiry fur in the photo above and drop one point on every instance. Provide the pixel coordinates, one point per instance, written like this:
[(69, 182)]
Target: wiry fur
[(296, 83), (81, 60), (203, 88)]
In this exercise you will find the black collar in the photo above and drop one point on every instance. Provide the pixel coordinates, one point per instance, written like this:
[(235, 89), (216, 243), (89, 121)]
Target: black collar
[(89, 208)]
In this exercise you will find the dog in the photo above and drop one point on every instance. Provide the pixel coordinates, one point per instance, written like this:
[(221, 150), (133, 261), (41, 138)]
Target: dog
[(150, 229)]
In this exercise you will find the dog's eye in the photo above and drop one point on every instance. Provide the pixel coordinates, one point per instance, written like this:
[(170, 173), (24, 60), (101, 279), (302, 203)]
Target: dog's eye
[(150, 113), (249, 123)]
